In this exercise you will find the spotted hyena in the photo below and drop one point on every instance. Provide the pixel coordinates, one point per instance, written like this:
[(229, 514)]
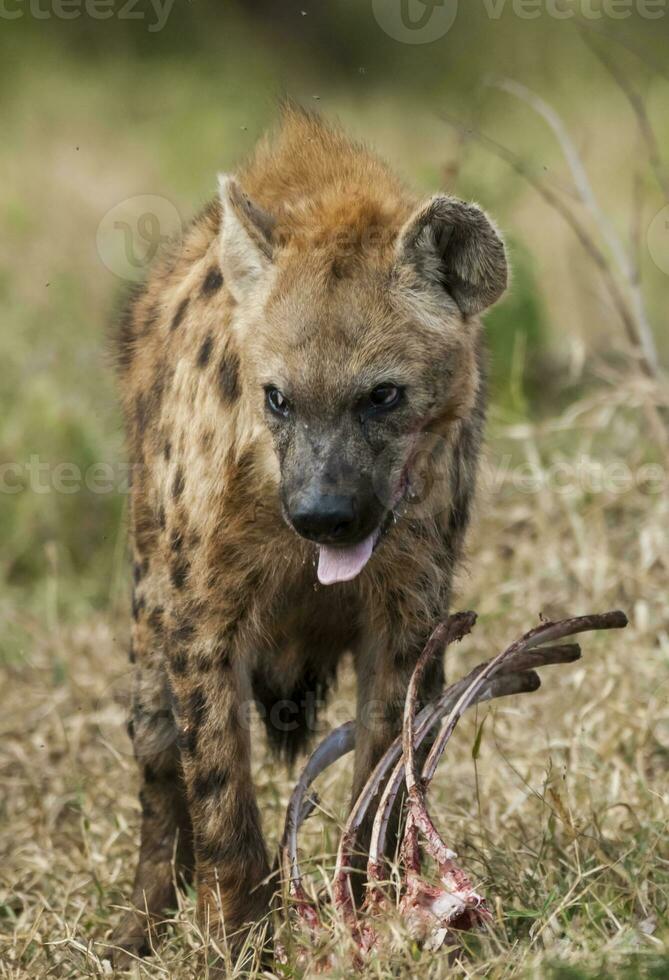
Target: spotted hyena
[(314, 336)]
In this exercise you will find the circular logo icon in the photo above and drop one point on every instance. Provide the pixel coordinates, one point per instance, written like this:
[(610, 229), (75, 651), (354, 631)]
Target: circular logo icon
[(415, 21), (132, 233), (658, 239)]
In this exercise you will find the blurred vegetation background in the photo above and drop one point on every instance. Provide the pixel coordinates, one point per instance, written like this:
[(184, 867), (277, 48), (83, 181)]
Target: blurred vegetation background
[(96, 111)]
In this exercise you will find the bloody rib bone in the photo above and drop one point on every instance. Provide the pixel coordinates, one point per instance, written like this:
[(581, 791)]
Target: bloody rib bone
[(338, 743), (429, 909), (518, 677), (455, 628)]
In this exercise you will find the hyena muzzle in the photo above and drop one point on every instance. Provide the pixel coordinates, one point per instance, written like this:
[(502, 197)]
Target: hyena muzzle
[(303, 387)]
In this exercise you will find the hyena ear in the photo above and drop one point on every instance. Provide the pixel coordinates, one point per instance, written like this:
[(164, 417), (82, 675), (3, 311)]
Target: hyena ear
[(245, 238), (453, 245)]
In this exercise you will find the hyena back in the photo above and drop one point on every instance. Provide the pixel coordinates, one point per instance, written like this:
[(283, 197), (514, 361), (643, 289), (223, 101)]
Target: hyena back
[(286, 376)]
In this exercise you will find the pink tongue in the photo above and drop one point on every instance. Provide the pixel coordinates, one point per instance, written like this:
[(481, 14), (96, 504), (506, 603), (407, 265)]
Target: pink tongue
[(343, 564)]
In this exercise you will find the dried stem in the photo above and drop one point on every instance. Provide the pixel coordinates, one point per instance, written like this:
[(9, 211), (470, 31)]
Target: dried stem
[(639, 110), (643, 333)]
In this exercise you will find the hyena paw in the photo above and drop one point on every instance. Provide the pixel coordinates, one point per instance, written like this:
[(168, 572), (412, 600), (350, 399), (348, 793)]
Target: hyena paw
[(129, 942)]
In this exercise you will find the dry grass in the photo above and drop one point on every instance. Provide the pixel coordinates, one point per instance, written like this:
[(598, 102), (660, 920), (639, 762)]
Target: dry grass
[(562, 817)]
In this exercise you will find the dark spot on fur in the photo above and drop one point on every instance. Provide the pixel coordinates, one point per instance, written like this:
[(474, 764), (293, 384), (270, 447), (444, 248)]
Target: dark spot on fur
[(156, 619), (149, 775), (137, 573), (212, 282), (196, 707), (144, 517), (187, 740), (147, 809), (138, 606), (228, 377), (179, 573), (157, 389), (222, 655), (179, 314), (203, 663), (141, 412), (180, 662), (176, 540), (458, 519), (210, 784), (205, 351), (161, 518), (183, 633), (167, 450), (130, 728), (207, 441), (178, 484), (132, 656), (338, 268), (194, 712)]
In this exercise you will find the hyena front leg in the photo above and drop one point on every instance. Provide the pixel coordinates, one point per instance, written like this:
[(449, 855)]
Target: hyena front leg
[(214, 739), (166, 852)]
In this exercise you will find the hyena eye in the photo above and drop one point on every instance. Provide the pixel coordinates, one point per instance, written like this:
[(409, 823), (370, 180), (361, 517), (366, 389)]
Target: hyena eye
[(277, 402), (385, 397)]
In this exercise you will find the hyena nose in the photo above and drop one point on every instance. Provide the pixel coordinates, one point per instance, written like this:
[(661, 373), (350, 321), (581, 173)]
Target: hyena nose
[(330, 518)]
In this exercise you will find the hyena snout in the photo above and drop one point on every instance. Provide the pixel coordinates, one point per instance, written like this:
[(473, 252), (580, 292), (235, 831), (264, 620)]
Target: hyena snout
[(328, 489), (341, 516), (326, 518)]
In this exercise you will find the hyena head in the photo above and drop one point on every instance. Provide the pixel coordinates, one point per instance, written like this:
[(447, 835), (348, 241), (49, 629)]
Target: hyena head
[(358, 327)]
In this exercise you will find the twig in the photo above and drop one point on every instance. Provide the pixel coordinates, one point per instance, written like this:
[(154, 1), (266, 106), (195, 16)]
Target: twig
[(643, 333), (638, 108)]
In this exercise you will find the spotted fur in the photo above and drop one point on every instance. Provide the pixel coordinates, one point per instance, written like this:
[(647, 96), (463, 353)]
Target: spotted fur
[(316, 264)]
